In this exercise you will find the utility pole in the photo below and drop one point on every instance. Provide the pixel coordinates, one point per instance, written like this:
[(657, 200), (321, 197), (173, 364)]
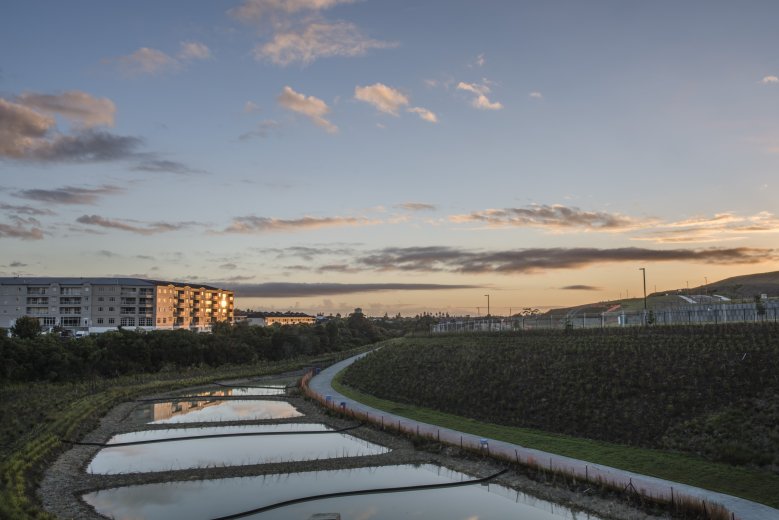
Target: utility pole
[(488, 304), (643, 270)]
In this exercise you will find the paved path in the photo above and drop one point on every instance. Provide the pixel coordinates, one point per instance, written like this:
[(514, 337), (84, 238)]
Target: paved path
[(743, 509)]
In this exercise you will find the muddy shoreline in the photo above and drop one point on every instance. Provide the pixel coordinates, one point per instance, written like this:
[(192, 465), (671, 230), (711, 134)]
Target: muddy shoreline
[(66, 480)]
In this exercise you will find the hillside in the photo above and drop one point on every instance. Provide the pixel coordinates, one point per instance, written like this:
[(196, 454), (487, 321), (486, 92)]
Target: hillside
[(711, 391)]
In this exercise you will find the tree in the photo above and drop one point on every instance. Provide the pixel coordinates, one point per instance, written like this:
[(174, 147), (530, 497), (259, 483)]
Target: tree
[(26, 327)]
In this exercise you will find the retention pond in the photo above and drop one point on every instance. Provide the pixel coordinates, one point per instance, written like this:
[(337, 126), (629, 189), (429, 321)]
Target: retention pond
[(208, 499), (191, 411), (308, 443)]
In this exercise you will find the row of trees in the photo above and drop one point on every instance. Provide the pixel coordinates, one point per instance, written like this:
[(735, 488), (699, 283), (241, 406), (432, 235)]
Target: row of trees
[(32, 356)]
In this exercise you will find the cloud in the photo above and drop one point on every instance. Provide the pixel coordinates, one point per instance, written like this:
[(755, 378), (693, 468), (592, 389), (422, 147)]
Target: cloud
[(22, 228), (194, 51), (252, 224), (165, 166), (424, 114), (416, 206), (27, 133), (313, 108), (16, 263), (147, 61), (69, 194), (25, 210), (76, 106), (580, 288), (133, 226), (721, 226), (481, 101), (290, 290), (479, 62), (446, 259), (536, 95), (21, 128), (229, 266), (263, 130), (250, 106), (252, 11), (767, 80), (555, 217), (386, 99), (317, 40)]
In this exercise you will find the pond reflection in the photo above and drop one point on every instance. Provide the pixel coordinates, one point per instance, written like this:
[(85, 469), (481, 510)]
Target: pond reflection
[(214, 498), (239, 391), (172, 412), (231, 451)]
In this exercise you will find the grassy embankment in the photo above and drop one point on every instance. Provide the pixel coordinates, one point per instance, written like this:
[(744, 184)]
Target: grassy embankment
[(428, 379), (37, 416)]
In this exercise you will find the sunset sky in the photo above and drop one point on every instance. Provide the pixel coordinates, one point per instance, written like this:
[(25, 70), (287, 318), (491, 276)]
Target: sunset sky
[(399, 156)]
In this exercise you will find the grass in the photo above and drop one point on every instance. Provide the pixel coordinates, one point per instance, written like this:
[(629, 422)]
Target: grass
[(759, 486), (37, 416)]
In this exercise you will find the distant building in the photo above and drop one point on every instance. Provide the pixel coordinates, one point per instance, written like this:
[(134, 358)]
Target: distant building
[(266, 319), (102, 304)]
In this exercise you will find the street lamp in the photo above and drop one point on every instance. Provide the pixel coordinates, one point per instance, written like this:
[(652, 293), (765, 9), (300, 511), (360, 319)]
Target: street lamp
[(488, 304), (643, 269)]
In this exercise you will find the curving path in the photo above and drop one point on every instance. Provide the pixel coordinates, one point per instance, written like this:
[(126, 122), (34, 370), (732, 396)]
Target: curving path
[(742, 508)]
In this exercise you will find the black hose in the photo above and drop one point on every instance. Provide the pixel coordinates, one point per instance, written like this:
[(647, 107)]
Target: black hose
[(210, 436), (359, 492)]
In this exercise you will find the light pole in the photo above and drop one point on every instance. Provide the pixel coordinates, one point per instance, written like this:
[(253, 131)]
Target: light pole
[(489, 319), (643, 269)]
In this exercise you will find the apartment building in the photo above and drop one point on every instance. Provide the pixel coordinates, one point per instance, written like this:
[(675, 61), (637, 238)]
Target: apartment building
[(102, 304), (267, 319)]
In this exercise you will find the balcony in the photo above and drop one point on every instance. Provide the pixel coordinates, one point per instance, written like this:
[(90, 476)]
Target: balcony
[(36, 290), (70, 301), (37, 301), (37, 311), (71, 291), (70, 311)]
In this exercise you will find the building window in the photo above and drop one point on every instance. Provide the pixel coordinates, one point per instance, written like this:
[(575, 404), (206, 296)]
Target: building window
[(50, 321), (70, 322), (99, 309), (100, 321), (110, 309), (128, 322), (146, 322), (111, 321), (100, 299)]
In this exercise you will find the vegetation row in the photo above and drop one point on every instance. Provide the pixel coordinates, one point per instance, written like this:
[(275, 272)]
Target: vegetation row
[(712, 391)]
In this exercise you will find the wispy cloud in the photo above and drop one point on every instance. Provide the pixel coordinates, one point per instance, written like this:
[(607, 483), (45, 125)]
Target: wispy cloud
[(166, 166), (446, 259), (424, 114), (580, 288), (317, 40), (132, 226), (264, 129), (25, 210), (292, 290), (22, 228), (147, 61), (536, 95), (481, 101), (78, 107), (554, 217), (768, 80), (312, 107), (72, 195), (416, 206), (386, 99), (721, 226), (250, 107), (389, 100), (29, 132), (252, 224), (253, 11), (194, 51)]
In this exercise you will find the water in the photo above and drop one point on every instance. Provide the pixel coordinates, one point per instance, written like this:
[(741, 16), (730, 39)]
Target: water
[(242, 391), (174, 412), (212, 498), (233, 451)]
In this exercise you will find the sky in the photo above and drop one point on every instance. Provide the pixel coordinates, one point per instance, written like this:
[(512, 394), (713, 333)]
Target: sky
[(398, 156)]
